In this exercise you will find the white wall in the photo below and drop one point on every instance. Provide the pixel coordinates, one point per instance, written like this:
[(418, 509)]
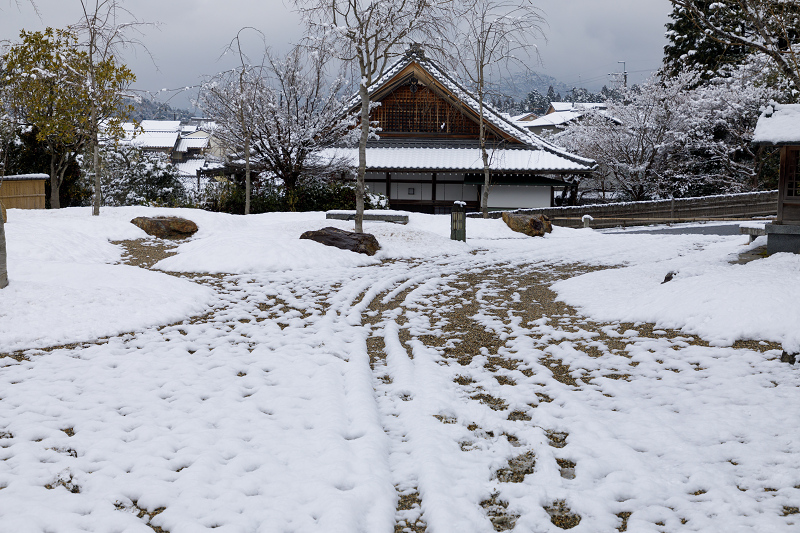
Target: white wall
[(518, 196)]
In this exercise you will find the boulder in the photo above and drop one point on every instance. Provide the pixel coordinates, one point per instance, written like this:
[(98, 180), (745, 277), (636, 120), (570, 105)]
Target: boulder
[(531, 225), (166, 227), (363, 243)]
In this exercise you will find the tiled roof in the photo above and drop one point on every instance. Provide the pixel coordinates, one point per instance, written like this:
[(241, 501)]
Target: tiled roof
[(778, 124), (445, 158), (190, 167), (494, 117), (187, 143), (154, 139)]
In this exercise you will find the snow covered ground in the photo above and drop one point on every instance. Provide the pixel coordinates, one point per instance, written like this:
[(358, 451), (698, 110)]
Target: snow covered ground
[(257, 382)]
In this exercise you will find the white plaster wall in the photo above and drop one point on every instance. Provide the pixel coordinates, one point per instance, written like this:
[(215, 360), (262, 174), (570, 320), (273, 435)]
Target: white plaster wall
[(518, 196)]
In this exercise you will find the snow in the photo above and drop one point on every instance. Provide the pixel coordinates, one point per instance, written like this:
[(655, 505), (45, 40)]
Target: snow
[(249, 401), (434, 158), (778, 124)]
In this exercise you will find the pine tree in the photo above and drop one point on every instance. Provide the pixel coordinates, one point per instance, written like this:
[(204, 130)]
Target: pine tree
[(690, 47)]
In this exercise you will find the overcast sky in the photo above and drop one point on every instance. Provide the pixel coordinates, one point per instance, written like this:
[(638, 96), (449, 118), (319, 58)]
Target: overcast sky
[(585, 38)]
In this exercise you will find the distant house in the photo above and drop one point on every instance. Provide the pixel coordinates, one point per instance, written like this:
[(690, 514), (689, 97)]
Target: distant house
[(779, 125), (558, 116), (186, 145), (428, 154)]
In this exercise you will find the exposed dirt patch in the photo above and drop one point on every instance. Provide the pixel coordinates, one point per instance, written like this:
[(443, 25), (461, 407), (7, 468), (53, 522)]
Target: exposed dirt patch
[(518, 468), (497, 511), (561, 516)]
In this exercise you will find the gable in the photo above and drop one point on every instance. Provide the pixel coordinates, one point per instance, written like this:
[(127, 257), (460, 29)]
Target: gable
[(420, 110), (441, 108), (414, 104)]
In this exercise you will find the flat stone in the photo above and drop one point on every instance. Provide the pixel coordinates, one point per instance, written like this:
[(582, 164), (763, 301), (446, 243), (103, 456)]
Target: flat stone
[(166, 227), (362, 243), (379, 217)]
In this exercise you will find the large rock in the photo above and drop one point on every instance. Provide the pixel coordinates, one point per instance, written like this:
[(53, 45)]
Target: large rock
[(363, 243), (532, 225), (166, 227)]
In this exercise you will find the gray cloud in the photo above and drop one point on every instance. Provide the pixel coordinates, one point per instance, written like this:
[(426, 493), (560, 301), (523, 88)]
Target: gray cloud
[(585, 38)]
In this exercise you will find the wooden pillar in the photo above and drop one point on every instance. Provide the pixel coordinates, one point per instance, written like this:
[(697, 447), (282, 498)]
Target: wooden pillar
[(433, 187), (388, 186)]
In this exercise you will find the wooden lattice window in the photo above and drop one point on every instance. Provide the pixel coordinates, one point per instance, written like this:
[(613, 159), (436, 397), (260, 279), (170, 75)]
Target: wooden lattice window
[(792, 177), (421, 111)]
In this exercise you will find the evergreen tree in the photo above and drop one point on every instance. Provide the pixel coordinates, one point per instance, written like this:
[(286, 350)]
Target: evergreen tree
[(690, 47), (552, 96), (535, 102)]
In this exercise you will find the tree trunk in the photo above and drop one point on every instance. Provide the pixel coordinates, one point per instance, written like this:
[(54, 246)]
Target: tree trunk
[(55, 202), (3, 262), (95, 162), (247, 176), (3, 257), (362, 157), (487, 175)]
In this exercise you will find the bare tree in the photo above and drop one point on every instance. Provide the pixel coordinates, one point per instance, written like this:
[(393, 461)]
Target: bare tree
[(106, 28), (490, 37), (303, 115), (280, 115), (771, 27), (369, 33), (233, 100), (31, 2)]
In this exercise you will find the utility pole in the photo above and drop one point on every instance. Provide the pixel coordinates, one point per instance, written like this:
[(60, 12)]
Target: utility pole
[(624, 74)]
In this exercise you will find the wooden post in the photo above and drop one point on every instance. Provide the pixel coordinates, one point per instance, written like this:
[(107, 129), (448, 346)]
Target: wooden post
[(458, 222)]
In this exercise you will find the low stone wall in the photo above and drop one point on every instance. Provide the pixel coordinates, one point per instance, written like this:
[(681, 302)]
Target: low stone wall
[(721, 207)]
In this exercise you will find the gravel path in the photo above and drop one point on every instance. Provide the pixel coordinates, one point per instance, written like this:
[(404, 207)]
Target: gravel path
[(502, 408)]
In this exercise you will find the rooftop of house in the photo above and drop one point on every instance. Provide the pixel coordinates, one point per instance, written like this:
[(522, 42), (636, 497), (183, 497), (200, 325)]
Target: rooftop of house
[(779, 124), (495, 118)]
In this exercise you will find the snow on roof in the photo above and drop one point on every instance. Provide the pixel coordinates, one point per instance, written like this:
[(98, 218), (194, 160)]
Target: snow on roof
[(553, 119), (778, 124), (187, 143), (24, 177), (154, 139), (152, 133), (190, 167), (494, 117), (559, 107), (441, 158), (160, 125)]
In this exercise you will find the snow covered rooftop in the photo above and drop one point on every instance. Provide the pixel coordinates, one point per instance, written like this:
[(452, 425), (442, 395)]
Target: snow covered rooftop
[(190, 167), (152, 133), (778, 124), (502, 122), (24, 177), (571, 106), (443, 158), (161, 125), (187, 143), (553, 119)]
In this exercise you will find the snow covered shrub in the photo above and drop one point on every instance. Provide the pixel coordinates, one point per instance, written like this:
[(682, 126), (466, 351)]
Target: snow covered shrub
[(679, 136), (135, 177), (270, 195)]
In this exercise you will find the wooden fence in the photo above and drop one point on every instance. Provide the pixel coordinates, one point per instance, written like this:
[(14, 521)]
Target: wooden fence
[(23, 191), (723, 207)]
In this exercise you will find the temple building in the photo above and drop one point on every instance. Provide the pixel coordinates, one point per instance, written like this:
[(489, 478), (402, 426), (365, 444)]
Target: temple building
[(428, 152)]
